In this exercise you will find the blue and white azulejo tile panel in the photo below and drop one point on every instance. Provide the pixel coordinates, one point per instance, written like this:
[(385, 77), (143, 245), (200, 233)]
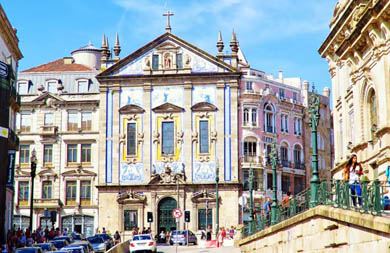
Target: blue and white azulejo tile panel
[(132, 173), (171, 94), (132, 96), (204, 172), (204, 93)]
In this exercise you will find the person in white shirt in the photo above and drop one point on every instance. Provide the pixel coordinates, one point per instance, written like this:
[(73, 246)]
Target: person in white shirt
[(352, 172)]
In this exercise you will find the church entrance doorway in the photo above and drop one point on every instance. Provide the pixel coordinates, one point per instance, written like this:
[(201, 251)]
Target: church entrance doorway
[(165, 220)]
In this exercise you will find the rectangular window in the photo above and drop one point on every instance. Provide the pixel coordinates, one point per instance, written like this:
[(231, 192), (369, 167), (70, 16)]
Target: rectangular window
[(72, 153), (24, 154), (285, 183), (352, 129), (47, 154), (86, 121), (179, 61), (254, 117), (248, 86), (83, 86), (131, 139), (204, 136), (155, 62), (294, 96), (71, 192), (281, 93), (25, 122), (298, 185), (72, 120), (249, 148), (47, 190), (52, 87), (49, 119), (23, 88), (168, 134), (204, 217), (269, 181), (256, 179), (23, 196), (85, 197), (131, 219), (86, 153)]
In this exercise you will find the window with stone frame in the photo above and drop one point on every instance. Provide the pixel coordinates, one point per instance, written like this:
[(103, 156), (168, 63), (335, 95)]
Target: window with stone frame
[(71, 154), (130, 219), (249, 86), (85, 192), (256, 178), (47, 189), (250, 148), (48, 119), (71, 193), (86, 121), (254, 117), (86, 154), (25, 122), (131, 145), (23, 193), (24, 154), (284, 155), (48, 154), (373, 113), (168, 137), (269, 181), (179, 61), (285, 183), (205, 215), (52, 86), (204, 143), (83, 86), (284, 123), (155, 63), (73, 120), (269, 118), (23, 88), (246, 116)]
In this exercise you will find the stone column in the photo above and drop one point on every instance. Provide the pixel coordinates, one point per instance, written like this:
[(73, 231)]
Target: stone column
[(187, 145), (147, 129), (102, 136), (220, 129), (115, 135), (234, 130)]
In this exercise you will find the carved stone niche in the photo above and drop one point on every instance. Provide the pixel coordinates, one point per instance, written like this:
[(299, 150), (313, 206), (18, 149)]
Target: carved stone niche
[(130, 197)]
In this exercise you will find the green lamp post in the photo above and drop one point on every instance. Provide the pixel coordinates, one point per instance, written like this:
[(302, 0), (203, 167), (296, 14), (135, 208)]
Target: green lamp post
[(314, 108), (274, 161), (251, 219), (216, 200)]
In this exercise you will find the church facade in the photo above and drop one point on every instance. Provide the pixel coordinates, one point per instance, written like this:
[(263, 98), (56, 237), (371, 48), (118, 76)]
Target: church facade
[(168, 128)]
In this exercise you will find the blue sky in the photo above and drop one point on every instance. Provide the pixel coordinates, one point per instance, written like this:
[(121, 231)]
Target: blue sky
[(273, 34)]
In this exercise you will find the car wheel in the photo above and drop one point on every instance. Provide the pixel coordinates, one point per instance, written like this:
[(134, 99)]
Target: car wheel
[(171, 243)]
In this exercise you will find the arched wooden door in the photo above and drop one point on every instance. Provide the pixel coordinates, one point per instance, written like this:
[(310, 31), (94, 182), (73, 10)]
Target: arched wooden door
[(165, 220)]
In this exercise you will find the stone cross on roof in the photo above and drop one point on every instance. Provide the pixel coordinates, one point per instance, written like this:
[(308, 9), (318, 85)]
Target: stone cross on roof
[(168, 14)]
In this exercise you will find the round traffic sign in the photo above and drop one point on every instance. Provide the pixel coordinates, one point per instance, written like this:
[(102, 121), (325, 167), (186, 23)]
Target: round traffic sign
[(177, 213)]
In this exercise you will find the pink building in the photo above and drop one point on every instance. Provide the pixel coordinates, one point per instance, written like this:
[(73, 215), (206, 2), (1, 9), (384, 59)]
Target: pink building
[(270, 108)]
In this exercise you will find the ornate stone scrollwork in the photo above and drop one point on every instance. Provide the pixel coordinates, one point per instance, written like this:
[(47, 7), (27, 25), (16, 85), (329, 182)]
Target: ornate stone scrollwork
[(131, 160), (194, 137), (167, 177), (180, 137), (167, 159), (130, 197), (203, 159), (122, 138), (140, 137), (168, 116), (213, 136), (156, 137), (132, 117), (204, 115)]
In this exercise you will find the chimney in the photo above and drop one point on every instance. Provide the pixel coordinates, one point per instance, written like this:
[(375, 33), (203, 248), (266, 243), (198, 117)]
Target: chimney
[(305, 85), (68, 60), (326, 92), (281, 76)]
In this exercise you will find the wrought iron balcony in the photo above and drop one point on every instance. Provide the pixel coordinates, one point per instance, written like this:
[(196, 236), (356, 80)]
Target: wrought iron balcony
[(286, 163), (269, 129), (299, 166)]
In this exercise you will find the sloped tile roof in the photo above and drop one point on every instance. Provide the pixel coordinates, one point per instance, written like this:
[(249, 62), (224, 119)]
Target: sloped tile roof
[(58, 66)]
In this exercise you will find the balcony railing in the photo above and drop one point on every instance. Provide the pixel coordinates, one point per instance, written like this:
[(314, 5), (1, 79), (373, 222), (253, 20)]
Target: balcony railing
[(47, 203), (49, 130), (299, 166), (251, 159), (286, 163), (269, 129)]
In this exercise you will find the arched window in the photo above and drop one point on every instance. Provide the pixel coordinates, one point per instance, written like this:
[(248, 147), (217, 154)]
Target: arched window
[(250, 147), (297, 157), (373, 111), (284, 155), (254, 117), (246, 116), (269, 118)]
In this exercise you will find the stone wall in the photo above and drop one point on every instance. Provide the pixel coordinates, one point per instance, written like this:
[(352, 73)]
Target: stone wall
[(323, 229), (120, 248)]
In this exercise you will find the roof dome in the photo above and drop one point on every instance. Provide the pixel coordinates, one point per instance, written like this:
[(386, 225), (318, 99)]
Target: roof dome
[(88, 47), (87, 55)]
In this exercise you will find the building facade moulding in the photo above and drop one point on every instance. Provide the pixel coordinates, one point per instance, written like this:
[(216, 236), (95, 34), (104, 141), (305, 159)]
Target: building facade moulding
[(167, 108), (130, 197), (204, 196), (204, 107), (131, 109)]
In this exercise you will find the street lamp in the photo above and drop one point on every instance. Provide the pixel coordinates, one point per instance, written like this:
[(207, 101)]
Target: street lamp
[(274, 161), (250, 179), (314, 108), (33, 161), (216, 200)]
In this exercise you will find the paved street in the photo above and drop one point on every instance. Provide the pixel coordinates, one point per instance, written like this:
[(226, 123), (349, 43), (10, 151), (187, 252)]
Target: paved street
[(192, 249)]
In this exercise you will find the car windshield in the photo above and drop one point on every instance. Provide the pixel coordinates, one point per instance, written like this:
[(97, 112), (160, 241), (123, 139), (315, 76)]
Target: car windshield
[(95, 239), (104, 236), (58, 244), (77, 237), (142, 237), (27, 250), (45, 246), (179, 232)]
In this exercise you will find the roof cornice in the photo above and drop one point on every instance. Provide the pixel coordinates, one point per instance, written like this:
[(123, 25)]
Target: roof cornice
[(10, 39)]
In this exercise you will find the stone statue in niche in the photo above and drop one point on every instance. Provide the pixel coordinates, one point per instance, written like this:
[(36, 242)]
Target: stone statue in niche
[(167, 61)]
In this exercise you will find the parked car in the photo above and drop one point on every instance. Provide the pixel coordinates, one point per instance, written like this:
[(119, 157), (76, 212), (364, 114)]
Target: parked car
[(77, 237), (29, 250), (59, 244), (143, 243), (74, 249), (180, 237), (48, 246), (64, 237), (87, 246), (108, 239), (98, 243)]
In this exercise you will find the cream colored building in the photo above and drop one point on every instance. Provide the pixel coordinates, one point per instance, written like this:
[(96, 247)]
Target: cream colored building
[(170, 121), (357, 50), (59, 120)]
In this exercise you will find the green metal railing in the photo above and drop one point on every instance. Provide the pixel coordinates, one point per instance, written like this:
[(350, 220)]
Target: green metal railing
[(372, 199)]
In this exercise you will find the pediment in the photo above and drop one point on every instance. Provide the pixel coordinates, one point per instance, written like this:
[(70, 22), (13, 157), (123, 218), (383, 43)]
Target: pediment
[(19, 172), (204, 107), (131, 109), (167, 108), (130, 197), (45, 96), (47, 172), (203, 196), (79, 172), (194, 60)]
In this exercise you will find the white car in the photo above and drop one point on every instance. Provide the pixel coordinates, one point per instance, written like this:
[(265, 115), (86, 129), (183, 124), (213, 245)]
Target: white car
[(143, 243)]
